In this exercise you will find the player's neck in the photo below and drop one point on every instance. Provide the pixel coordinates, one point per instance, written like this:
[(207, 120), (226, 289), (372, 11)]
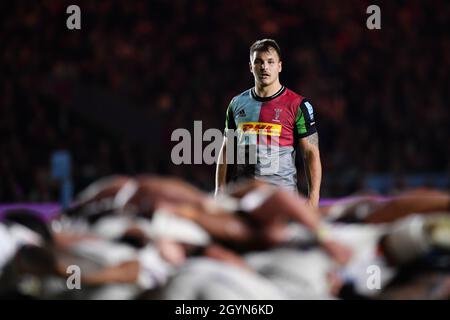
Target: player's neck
[(267, 91)]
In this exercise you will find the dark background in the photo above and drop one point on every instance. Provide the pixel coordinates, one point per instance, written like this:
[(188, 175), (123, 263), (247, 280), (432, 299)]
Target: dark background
[(113, 92)]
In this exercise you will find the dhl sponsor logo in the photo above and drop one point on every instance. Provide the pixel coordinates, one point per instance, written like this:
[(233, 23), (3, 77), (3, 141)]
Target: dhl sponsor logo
[(263, 128)]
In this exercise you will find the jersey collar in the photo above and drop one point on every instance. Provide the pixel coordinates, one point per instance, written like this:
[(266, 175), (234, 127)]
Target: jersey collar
[(263, 99)]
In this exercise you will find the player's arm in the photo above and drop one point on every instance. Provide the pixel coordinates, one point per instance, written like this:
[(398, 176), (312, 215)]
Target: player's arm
[(313, 166), (126, 272), (308, 144), (221, 168)]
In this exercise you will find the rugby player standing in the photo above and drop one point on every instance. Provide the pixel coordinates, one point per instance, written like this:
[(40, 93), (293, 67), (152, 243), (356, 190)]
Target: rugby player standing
[(275, 121)]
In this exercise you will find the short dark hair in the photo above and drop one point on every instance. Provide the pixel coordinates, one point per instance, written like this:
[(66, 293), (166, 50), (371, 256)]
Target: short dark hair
[(264, 45)]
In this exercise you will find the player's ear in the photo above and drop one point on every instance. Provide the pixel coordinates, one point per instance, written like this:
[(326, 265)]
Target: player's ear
[(280, 67), (250, 66)]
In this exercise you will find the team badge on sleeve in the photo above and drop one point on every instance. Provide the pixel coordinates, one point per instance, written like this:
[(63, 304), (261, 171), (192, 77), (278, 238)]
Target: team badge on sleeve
[(310, 110)]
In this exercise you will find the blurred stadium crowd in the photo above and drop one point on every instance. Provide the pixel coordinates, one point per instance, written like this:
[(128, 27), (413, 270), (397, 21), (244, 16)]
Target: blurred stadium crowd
[(381, 96)]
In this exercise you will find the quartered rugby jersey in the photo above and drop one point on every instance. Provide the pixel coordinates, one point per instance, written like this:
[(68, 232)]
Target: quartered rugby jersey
[(266, 131)]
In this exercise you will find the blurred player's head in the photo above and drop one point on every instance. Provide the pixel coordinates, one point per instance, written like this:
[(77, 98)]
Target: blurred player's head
[(29, 219), (265, 62)]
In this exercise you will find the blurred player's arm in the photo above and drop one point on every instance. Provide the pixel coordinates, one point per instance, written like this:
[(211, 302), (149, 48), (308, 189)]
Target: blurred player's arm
[(126, 272), (313, 166), (218, 252)]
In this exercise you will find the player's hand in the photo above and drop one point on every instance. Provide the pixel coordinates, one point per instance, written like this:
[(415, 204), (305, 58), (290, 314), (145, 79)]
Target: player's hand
[(312, 204)]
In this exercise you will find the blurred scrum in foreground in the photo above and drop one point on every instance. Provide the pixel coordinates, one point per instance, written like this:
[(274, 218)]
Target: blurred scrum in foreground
[(113, 92), (152, 237)]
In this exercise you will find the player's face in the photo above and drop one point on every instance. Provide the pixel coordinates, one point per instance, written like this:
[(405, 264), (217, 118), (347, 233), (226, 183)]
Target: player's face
[(265, 66)]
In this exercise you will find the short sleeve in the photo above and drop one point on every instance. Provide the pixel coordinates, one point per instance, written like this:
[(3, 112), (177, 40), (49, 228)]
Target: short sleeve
[(305, 121), (229, 120)]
